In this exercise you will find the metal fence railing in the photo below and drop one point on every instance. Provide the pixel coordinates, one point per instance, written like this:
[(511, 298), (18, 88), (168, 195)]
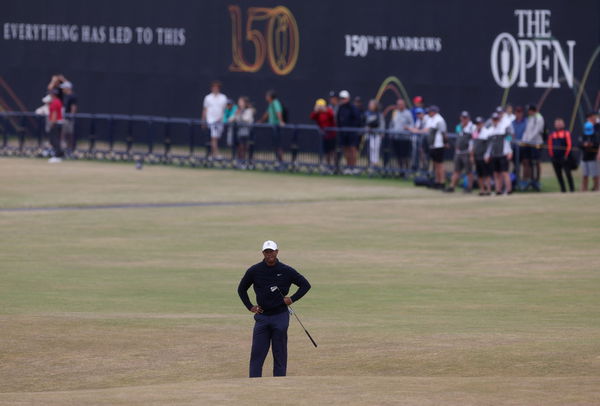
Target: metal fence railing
[(186, 141)]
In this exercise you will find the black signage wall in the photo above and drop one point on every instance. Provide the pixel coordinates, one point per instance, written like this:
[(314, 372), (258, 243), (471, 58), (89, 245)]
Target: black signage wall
[(139, 57)]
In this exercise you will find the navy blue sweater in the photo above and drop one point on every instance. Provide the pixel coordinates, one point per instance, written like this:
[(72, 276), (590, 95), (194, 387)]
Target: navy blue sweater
[(263, 277)]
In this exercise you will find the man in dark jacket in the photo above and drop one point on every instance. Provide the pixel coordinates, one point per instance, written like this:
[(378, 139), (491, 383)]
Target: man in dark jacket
[(348, 116), (271, 280)]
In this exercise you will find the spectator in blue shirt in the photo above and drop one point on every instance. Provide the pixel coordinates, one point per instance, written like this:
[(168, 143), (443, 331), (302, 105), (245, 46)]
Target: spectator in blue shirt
[(590, 143)]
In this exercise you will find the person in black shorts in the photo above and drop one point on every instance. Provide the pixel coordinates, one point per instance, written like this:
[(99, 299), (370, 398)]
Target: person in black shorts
[(478, 149), (348, 117), (499, 154)]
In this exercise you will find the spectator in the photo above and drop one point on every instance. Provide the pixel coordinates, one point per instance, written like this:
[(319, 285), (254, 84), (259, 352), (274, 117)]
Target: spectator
[(348, 117), (324, 117), (55, 84), (530, 151), (274, 116), (417, 104), (518, 127), (212, 115), (68, 129), (519, 123), (418, 130), (436, 127), (401, 123), (361, 122), (244, 118), (228, 115), (375, 123), (508, 113), (559, 148), (361, 110), (499, 153), (334, 102), (590, 143), (505, 122), (478, 150), (462, 153), (54, 127)]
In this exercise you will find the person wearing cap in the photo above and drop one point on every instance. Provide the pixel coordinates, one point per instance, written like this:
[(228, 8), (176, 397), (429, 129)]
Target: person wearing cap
[(590, 147), (505, 121), (324, 117), (499, 153), (70, 107), (436, 127), (418, 103), (375, 124), (418, 130), (462, 152), (478, 150), (348, 117), (271, 280), (531, 148), (213, 112)]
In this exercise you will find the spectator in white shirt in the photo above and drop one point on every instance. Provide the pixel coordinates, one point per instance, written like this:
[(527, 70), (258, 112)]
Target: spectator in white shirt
[(212, 115), (436, 125)]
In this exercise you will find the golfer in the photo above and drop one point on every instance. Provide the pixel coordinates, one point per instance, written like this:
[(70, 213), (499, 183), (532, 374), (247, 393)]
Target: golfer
[(271, 280)]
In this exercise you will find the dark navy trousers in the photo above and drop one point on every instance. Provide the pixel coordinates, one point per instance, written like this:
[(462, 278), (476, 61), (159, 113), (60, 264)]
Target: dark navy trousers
[(269, 331)]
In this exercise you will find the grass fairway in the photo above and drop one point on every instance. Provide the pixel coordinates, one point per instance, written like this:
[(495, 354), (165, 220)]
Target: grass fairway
[(418, 298)]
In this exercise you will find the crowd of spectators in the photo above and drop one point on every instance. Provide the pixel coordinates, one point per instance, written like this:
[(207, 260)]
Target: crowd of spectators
[(59, 105), (496, 153)]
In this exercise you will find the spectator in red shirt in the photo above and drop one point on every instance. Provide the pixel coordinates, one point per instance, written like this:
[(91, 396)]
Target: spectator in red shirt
[(54, 127), (559, 148), (324, 117)]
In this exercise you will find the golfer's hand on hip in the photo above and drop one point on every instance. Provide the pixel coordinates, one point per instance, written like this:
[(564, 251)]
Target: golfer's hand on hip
[(256, 309), (288, 301)]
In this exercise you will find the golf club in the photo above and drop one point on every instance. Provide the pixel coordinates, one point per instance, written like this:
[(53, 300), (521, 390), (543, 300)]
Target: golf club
[(275, 288)]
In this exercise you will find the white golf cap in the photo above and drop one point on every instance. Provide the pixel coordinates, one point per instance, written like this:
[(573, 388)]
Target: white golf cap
[(344, 94), (269, 245)]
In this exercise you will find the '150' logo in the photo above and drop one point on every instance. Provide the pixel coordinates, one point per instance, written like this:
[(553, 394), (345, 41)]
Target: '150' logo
[(278, 40)]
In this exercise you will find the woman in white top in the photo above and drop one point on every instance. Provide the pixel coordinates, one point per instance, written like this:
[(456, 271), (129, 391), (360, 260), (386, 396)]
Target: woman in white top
[(244, 118)]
